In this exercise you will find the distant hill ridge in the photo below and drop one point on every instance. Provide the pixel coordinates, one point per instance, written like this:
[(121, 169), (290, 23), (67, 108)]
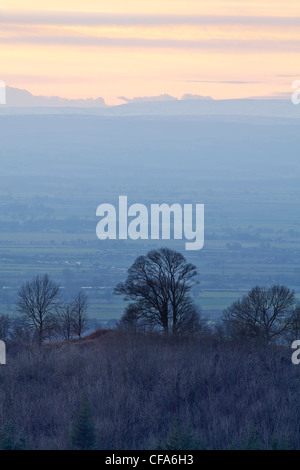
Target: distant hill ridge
[(23, 98), (20, 102)]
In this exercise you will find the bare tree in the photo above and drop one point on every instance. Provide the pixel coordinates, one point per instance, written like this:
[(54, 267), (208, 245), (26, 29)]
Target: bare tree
[(37, 300), (293, 332), (65, 321), (263, 314), (5, 324), (20, 332), (130, 318), (79, 306), (189, 320), (160, 284), (133, 321)]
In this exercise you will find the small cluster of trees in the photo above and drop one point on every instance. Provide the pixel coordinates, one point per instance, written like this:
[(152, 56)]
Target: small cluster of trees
[(160, 283), (264, 315), (42, 315), (159, 286)]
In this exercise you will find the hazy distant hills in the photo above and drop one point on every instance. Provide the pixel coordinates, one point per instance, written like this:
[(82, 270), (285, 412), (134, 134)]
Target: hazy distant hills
[(22, 102), (244, 107), (23, 98)]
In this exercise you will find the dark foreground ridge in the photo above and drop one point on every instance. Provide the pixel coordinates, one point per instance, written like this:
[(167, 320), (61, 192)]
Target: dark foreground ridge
[(117, 390)]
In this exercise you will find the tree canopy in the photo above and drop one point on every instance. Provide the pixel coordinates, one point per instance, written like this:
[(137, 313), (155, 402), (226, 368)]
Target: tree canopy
[(160, 285)]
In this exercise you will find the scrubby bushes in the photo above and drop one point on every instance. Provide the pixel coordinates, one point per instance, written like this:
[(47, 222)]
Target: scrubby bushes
[(219, 395)]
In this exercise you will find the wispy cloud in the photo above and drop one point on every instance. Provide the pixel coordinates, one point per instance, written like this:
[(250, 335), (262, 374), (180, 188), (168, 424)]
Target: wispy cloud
[(105, 19), (275, 95), (213, 44), (143, 99), (45, 78), (289, 76), (165, 97), (226, 82)]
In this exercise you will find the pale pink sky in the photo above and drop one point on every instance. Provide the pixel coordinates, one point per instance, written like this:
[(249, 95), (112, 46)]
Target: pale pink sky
[(76, 49)]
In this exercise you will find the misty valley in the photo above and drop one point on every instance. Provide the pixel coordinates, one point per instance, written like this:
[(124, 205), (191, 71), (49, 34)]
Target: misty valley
[(56, 169)]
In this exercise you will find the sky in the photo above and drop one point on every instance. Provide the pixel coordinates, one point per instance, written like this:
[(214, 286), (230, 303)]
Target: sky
[(223, 49)]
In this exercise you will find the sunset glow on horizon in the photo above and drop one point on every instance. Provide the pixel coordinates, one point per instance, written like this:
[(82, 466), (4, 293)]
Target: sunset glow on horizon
[(224, 49)]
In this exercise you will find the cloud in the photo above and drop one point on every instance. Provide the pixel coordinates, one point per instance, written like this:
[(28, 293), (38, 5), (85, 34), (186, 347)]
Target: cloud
[(124, 19), (23, 79), (211, 44), (188, 96), (281, 95), (19, 98), (273, 96), (289, 76), (226, 82), (165, 97), (145, 99)]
